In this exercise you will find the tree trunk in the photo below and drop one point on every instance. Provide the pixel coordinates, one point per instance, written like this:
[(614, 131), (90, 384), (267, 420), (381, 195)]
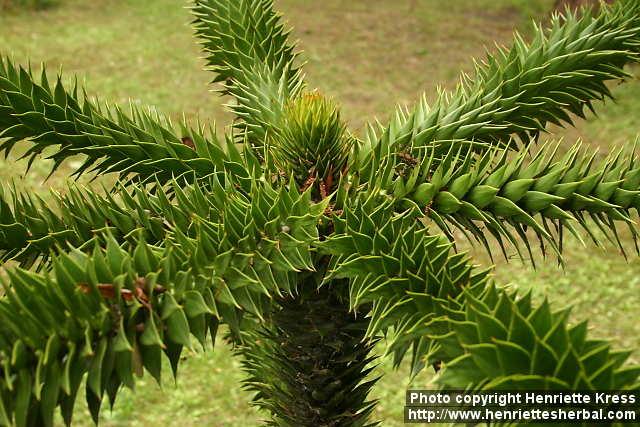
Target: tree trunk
[(309, 367)]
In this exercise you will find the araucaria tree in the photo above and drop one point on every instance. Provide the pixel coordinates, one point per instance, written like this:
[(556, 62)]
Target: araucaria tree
[(311, 244)]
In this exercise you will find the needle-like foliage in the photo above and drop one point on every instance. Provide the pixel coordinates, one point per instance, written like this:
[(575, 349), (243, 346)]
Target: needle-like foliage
[(309, 244)]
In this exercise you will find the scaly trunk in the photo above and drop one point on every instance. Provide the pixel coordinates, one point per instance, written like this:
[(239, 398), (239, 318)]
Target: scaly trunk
[(309, 367)]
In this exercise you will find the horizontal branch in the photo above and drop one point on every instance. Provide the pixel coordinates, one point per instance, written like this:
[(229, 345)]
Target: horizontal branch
[(519, 91), (505, 195), (142, 145)]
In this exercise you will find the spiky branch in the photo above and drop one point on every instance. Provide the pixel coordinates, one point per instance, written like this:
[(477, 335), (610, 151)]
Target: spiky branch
[(246, 46), (131, 303), (507, 194), (518, 91), (450, 314), (494, 340)]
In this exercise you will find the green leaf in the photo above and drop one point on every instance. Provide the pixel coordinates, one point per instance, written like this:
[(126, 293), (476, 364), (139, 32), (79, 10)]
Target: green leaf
[(50, 393), (483, 195), (516, 190), (447, 203), (22, 398), (178, 328)]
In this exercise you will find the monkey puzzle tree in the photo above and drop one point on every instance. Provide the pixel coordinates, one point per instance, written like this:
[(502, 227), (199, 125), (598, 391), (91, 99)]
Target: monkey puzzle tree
[(309, 243)]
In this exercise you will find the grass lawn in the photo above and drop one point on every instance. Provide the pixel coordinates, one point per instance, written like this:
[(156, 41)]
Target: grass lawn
[(369, 55)]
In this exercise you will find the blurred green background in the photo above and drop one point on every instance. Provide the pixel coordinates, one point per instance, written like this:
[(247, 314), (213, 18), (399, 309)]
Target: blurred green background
[(367, 54)]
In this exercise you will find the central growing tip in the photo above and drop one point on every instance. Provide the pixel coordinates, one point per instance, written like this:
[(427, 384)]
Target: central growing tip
[(312, 144)]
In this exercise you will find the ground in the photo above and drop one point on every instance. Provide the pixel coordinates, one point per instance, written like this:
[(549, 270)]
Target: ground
[(368, 55)]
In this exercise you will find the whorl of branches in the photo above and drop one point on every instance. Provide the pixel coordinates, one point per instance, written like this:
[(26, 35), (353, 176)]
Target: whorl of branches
[(199, 232)]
